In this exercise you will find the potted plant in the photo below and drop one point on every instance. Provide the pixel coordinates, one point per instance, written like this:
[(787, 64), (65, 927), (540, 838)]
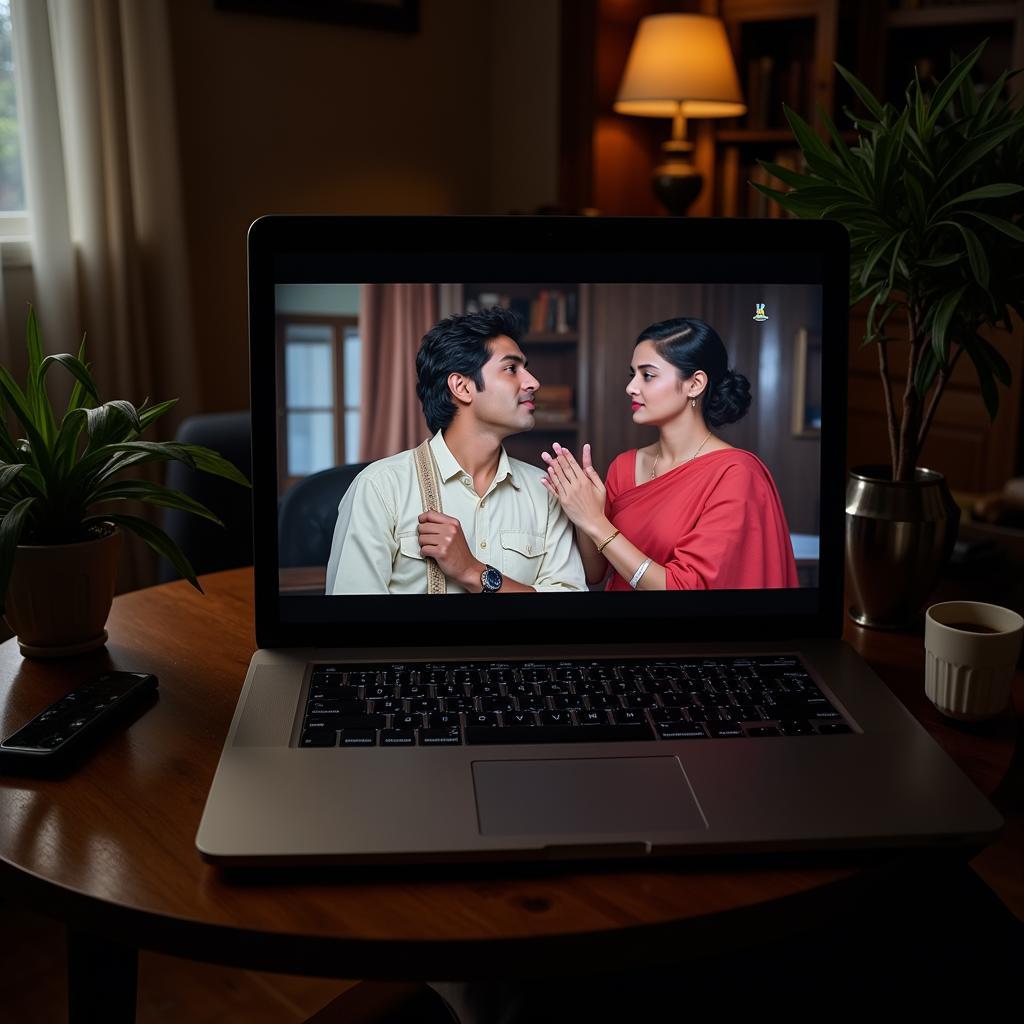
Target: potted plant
[(930, 194), (58, 547)]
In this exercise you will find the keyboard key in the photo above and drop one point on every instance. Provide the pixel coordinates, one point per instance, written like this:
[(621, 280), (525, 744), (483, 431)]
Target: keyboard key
[(567, 703), (834, 728), (450, 737), (667, 714), (681, 731), (457, 704), (763, 730), (796, 728), (407, 721), (358, 737), (397, 738), (443, 720), (524, 718), (425, 705), (497, 704), (482, 720), (723, 731), (559, 734), (555, 718), (319, 738), (628, 716), (591, 718), (604, 700), (360, 722)]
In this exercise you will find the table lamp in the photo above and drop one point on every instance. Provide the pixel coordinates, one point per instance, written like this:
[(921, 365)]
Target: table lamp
[(680, 66)]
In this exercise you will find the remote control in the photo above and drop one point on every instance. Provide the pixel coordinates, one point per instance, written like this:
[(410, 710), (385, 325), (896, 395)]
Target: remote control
[(67, 727)]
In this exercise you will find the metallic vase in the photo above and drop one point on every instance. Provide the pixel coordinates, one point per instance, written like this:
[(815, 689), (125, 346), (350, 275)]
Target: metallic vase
[(898, 537)]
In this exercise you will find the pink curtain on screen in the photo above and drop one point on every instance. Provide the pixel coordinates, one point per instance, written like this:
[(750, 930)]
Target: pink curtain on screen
[(392, 321)]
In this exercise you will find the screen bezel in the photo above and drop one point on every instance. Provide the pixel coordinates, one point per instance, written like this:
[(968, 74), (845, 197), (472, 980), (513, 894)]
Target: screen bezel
[(283, 249)]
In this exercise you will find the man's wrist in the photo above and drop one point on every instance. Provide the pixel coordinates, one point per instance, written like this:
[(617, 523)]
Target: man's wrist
[(471, 578)]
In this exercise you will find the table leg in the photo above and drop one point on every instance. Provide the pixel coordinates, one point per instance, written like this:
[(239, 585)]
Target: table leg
[(102, 979)]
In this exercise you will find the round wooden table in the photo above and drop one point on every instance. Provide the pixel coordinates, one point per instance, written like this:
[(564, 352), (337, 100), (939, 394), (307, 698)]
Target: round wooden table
[(110, 849)]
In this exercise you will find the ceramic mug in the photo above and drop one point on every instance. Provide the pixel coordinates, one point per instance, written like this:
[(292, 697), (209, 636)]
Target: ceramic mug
[(971, 651)]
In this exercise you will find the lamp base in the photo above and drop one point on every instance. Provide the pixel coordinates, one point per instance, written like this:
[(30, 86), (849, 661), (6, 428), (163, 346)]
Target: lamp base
[(677, 184), (676, 181)]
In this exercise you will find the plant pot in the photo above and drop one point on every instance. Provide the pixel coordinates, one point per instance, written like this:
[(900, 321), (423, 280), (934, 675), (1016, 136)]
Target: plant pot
[(59, 595), (898, 537)]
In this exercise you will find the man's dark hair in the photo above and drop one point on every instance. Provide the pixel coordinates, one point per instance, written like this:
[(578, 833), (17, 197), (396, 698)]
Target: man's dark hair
[(460, 343)]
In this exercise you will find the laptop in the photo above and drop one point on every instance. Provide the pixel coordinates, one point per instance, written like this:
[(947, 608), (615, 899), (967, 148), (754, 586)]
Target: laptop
[(720, 713)]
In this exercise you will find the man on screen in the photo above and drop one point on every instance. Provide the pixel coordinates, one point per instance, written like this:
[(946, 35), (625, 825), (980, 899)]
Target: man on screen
[(499, 530)]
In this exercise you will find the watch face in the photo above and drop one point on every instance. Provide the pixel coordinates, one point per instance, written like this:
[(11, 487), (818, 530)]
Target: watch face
[(491, 579)]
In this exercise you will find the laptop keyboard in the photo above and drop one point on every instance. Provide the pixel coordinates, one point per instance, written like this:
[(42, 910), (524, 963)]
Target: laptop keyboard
[(449, 704)]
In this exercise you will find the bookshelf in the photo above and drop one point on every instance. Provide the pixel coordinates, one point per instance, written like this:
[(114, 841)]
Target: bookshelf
[(784, 52), (554, 345)]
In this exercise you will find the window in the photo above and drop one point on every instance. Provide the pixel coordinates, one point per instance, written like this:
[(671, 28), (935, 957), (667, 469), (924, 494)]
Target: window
[(13, 222), (319, 393)]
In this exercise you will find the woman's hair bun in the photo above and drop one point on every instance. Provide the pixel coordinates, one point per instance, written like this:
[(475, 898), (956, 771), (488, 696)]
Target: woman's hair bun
[(728, 400)]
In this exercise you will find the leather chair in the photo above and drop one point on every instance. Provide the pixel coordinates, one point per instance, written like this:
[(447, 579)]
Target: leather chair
[(308, 512), (207, 546)]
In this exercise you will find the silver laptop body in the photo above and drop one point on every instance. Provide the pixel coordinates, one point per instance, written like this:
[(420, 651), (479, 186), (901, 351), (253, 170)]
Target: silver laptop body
[(883, 783)]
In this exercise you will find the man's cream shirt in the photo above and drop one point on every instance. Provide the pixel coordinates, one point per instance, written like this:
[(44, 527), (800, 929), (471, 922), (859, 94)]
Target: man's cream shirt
[(517, 526)]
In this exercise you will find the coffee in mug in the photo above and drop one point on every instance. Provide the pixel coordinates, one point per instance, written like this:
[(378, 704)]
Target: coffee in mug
[(971, 651)]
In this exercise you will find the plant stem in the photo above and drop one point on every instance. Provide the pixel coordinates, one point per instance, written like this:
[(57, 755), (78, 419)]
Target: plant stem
[(906, 460), (890, 407), (940, 386)]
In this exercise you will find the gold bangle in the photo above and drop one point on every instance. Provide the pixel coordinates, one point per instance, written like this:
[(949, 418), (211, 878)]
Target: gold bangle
[(605, 543)]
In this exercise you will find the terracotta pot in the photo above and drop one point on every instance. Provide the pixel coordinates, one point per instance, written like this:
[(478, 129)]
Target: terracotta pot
[(59, 596), (898, 538)]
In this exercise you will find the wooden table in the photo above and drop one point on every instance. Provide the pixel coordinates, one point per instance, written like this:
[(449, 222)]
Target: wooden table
[(110, 849)]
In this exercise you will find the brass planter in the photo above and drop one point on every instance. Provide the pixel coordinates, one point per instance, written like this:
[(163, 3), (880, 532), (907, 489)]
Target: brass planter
[(898, 537), (60, 595)]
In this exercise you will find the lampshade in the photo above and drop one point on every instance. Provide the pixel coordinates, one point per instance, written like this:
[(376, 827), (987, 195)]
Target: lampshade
[(680, 59)]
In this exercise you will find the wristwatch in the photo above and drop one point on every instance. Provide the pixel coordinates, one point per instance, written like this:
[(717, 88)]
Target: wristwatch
[(491, 580)]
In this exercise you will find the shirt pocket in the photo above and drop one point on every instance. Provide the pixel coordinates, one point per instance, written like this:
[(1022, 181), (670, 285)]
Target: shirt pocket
[(521, 555), (409, 547)]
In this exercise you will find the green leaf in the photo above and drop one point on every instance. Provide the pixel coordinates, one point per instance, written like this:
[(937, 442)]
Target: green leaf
[(99, 464), (969, 155), (1006, 227), (16, 399), (208, 461), (991, 97), (924, 375), (11, 528), (940, 261), (155, 538), (816, 153), (788, 201), (154, 494), (785, 174), (975, 254), (864, 94), (76, 368), (989, 391), (148, 416), (9, 473), (111, 422), (997, 191), (874, 256), (943, 316), (950, 84), (994, 358)]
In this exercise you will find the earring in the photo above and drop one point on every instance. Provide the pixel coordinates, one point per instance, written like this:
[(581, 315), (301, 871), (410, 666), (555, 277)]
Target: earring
[(693, 403)]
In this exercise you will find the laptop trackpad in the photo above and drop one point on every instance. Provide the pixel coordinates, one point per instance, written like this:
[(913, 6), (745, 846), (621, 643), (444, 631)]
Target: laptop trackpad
[(614, 794)]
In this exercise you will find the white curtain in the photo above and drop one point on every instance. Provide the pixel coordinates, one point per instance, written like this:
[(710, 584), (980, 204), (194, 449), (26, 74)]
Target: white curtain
[(96, 112)]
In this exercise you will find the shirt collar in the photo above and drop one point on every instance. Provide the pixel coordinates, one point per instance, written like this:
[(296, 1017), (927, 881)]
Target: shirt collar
[(448, 467)]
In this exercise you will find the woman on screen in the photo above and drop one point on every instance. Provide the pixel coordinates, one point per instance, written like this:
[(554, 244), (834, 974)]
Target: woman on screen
[(689, 512)]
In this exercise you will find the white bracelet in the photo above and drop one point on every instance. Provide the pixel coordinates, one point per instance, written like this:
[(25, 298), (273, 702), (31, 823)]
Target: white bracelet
[(636, 576)]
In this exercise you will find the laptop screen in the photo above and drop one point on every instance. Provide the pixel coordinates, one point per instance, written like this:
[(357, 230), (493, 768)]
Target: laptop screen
[(543, 437)]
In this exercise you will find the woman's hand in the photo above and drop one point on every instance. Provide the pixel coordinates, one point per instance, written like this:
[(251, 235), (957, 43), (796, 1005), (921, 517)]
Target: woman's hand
[(579, 489)]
